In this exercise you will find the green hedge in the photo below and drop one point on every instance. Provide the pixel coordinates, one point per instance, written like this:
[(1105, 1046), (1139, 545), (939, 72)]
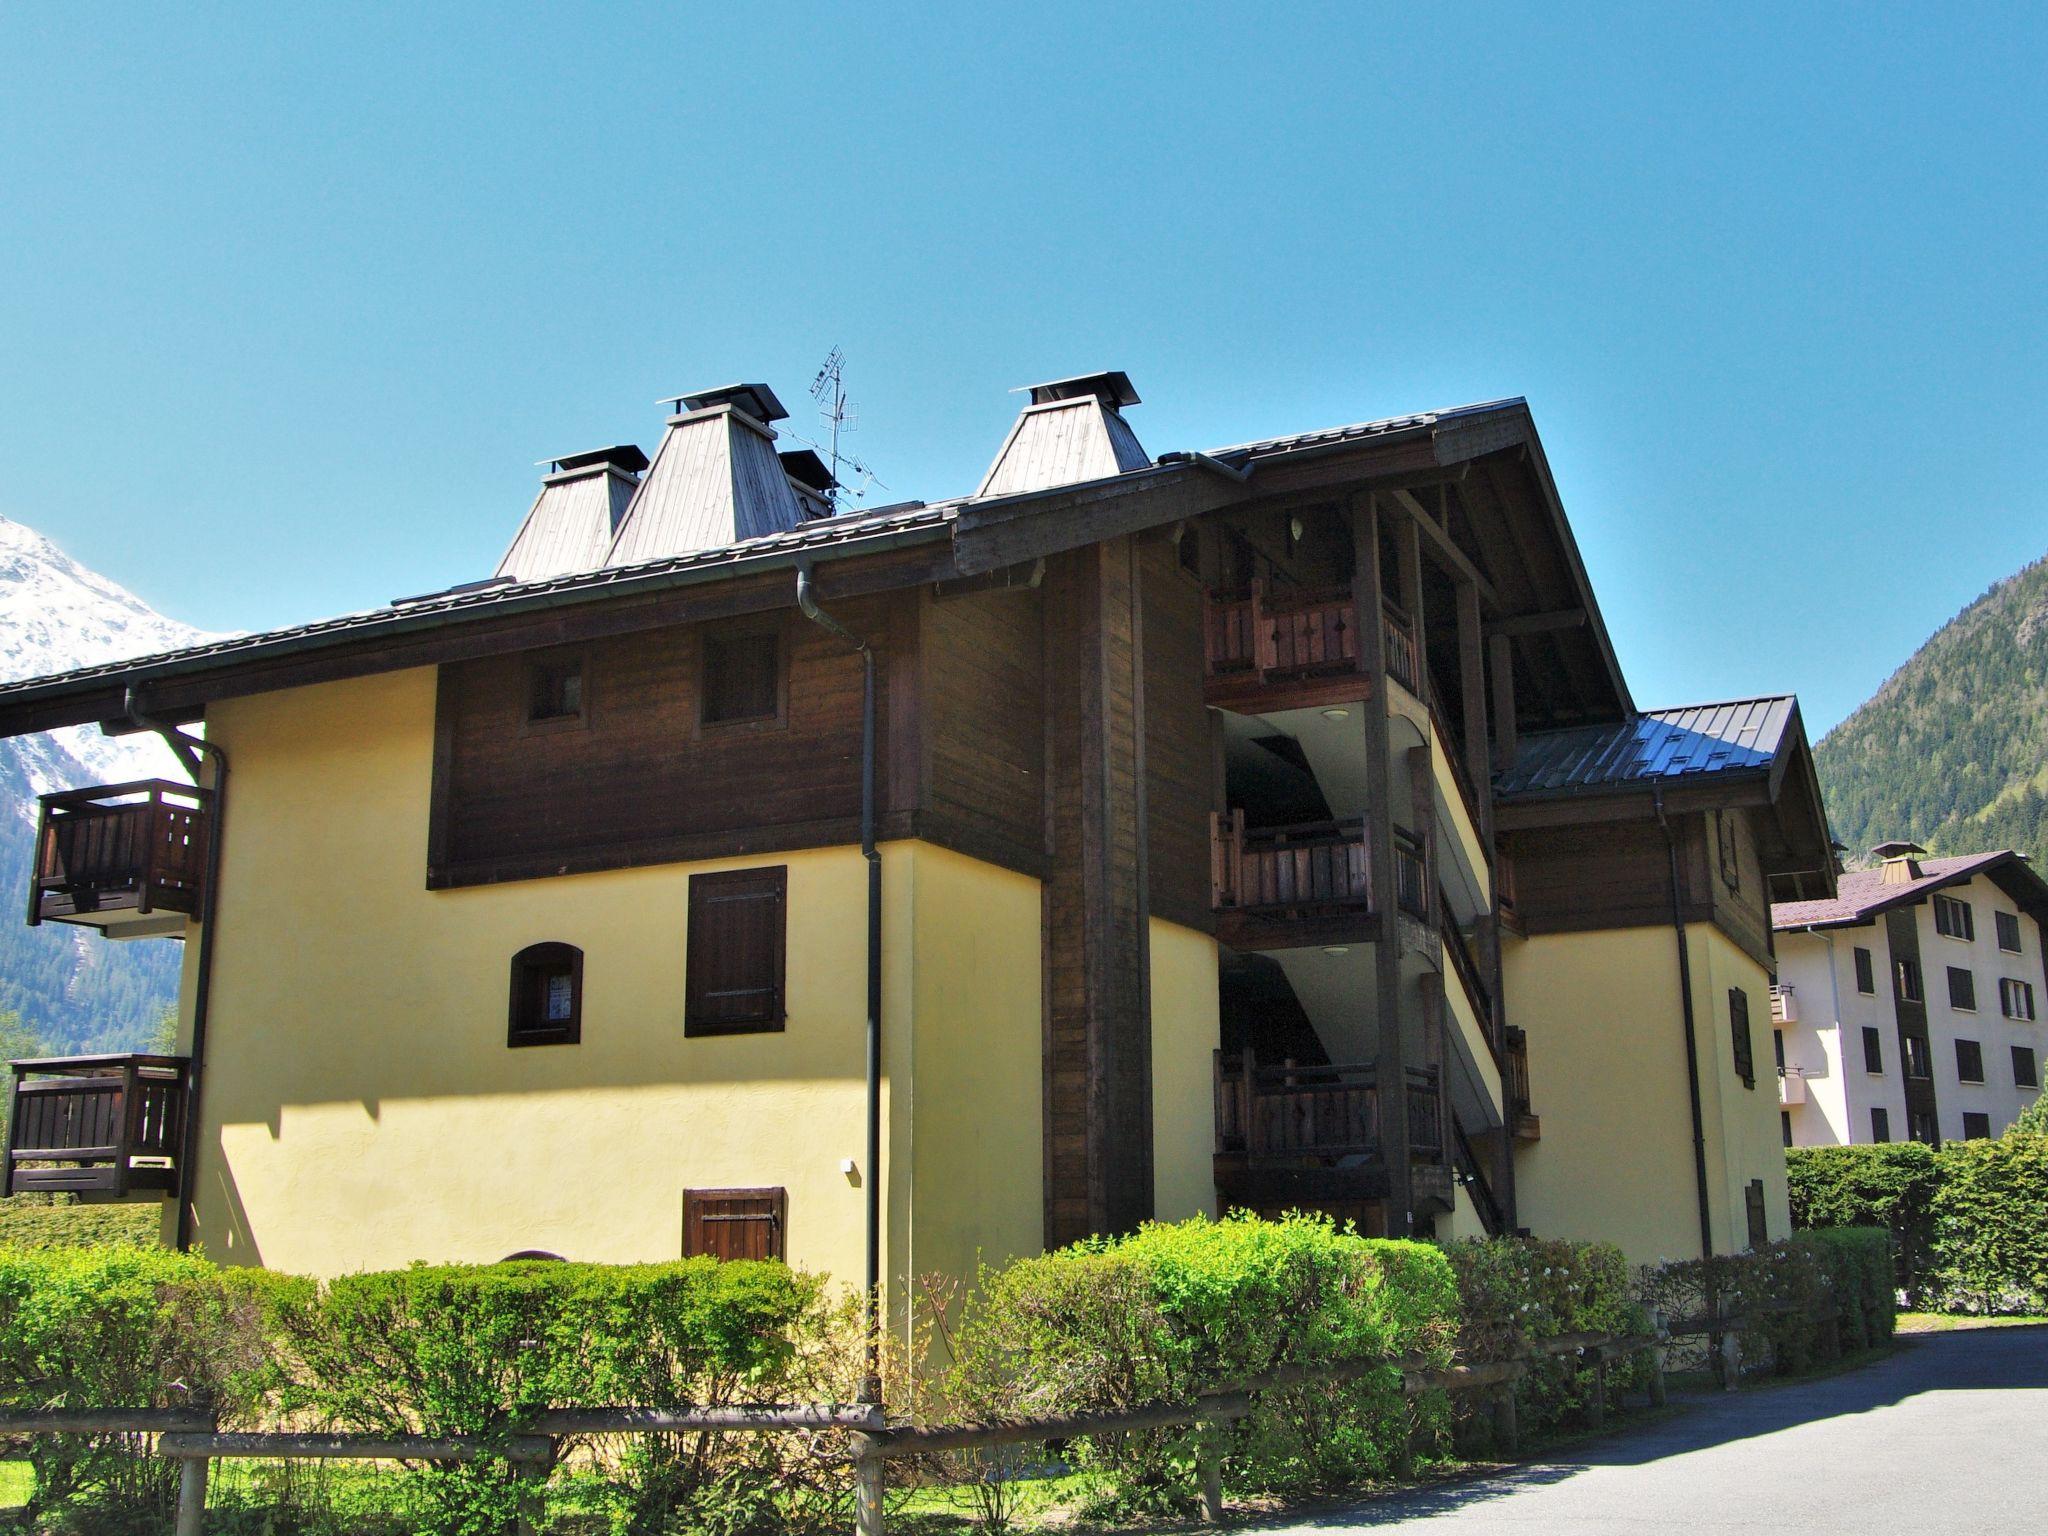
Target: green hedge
[(1176, 1309), (1513, 1292), (1969, 1222), (1797, 1303), (37, 1221)]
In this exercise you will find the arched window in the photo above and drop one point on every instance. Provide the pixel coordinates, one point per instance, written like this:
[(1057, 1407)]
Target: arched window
[(547, 996)]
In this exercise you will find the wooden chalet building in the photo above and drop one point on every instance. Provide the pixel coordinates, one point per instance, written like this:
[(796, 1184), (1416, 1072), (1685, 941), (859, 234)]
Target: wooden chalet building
[(1266, 827)]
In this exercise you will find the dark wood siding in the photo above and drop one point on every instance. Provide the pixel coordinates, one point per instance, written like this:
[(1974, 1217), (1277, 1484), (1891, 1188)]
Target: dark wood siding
[(1179, 755), (642, 782), (735, 1223), (983, 659)]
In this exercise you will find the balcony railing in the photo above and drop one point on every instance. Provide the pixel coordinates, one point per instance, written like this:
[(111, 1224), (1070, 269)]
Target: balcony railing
[(1411, 874), (1521, 1108), (1459, 949), (1270, 636), (1327, 1112), (1317, 866), (1784, 1005), (1400, 643), (121, 856), (107, 1125)]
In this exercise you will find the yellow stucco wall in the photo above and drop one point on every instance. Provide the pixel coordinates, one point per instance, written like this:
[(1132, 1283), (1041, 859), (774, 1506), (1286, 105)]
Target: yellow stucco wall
[(1608, 1080), (362, 1108), (1185, 1032)]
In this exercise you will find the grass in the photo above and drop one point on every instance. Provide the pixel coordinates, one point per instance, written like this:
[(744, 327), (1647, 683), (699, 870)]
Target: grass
[(1949, 1322)]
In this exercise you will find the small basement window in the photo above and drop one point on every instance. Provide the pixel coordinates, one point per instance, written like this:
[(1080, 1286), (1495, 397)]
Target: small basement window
[(555, 690), (742, 678), (734, 1223), (547, 996)]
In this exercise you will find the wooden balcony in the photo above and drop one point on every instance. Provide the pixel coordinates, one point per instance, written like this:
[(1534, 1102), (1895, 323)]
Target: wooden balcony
[(1402, 665), (1284, 887), (1289, 1132), (1521, 1117), (1465, 965), (110, 1127), (128, 859), (1293, 648)]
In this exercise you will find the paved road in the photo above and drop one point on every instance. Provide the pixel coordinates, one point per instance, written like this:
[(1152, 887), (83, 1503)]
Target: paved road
[(1949, 1435)]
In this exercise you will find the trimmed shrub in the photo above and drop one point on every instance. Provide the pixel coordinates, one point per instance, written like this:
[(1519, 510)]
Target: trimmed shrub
[(1177, 1309), (1794, 1304), (1513, 1291), (1890, 1186), (482, 1349), (37, 1221), (1991, 1224), (127, 1327), (1856, 1264)]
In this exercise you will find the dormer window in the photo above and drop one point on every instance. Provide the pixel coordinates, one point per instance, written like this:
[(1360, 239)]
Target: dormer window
[(547, 996), (555, 691)]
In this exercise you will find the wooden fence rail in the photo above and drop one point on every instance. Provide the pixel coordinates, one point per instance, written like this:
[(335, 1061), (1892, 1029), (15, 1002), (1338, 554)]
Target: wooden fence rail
[(195, 1441)]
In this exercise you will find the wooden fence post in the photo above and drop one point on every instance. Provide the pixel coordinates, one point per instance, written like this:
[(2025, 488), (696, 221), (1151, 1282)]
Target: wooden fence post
[(1507, 1424), (1212, 1472), (192, 1495), (1728, 1361), (868, 1472), (1596, 1407)]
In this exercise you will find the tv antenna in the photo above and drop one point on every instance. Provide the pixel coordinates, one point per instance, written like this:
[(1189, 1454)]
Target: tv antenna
[(839, 416)]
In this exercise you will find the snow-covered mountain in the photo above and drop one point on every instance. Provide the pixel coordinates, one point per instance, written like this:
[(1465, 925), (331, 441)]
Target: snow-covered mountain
[(73, 989)]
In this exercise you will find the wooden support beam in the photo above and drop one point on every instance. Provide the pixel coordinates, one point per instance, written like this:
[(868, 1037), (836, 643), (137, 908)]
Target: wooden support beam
[(1472, 695), (1538, 623), (1368, 587), (1448, 554), (1500, 661)]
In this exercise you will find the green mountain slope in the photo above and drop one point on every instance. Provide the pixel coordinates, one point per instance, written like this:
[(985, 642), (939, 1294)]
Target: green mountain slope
[(1953, 750)]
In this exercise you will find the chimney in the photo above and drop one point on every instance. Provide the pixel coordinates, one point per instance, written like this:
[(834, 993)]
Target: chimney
[(811, 480), (715, 479), (571, 524), (1073, 430), (1899, 861)]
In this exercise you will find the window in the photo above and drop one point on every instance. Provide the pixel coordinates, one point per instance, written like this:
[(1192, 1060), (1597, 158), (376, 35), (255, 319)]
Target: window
[(1953, 919), (1866, 973), (1969, 1061), (2008, 931), (1916, 1057), (1873, 1049), (1753, 1201), (742, 678), (1962, 989), (733, 983), (1906, 975), (1920, 1123), (734, 1223), (547, 996), (1976, 1126), (1778, 1049), (1785, 1125), (2024, 1073), (1880, 1124), (2016, 998), (1738, 1024), (555, 691)]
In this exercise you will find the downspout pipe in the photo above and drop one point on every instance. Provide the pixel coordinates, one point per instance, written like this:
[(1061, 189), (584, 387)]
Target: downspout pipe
[(1692, 1044), (189, 750), (871, 1183)]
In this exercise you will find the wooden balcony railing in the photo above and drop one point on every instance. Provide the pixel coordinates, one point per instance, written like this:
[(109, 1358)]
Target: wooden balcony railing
[(1258, 633), (108, 1125), (1326, 1112), (1504, 882), (1459, 949), (1321, 866), (1400, 642), (117, 854), (1411, 874), (1521, 1111)]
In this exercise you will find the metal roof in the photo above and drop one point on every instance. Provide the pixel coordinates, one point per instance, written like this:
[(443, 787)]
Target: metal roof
[(1385, 427), (1741, 736), (853, 532), (1114, 387), (1863, 894)]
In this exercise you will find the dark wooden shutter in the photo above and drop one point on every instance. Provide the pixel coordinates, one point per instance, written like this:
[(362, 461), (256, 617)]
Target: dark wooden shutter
[(1873, 1049), (734, 975), (1866, 976), (1759, 1228), (1969, 1061), (1962, 988), (734, 1223), (742, 678), (1738, 1023)]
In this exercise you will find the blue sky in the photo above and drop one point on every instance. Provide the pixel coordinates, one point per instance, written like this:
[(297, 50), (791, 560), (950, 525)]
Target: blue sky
[(291, 299)]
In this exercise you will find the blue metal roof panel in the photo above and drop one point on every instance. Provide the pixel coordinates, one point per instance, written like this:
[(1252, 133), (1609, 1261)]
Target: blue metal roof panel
[(1741, 736)]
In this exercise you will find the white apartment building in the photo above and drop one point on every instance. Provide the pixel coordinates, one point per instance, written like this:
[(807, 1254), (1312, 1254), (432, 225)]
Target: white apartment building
[(1909, 1005)]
